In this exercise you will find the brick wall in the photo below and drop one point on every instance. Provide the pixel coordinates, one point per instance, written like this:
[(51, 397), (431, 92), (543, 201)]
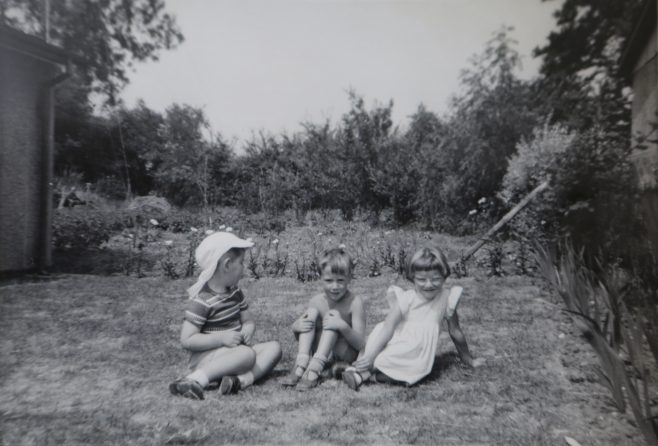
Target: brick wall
[(22, 149)]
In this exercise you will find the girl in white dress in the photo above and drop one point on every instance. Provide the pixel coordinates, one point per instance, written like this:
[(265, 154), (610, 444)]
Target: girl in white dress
[(402, 347)]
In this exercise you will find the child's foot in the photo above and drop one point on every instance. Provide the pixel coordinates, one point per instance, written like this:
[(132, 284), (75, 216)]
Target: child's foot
[(383, 378), (229, 385), (353, 379), (309, 381), (338, 368), (187, 388), (292, 378)]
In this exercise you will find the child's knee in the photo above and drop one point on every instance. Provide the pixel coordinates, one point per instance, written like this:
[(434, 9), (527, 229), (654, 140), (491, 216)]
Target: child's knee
[(247, 355), (274, 349), (312, 314)]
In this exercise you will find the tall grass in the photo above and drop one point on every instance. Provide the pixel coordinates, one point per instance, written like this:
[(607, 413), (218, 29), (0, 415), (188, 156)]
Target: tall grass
[(598, 302)]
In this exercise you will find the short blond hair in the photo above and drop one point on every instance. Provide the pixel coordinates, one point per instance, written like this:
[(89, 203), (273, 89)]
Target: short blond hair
[(337, 260), (428, 258)]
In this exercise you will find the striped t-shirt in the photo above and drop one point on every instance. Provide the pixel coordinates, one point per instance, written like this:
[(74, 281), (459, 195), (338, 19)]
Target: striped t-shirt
[(216, 312)]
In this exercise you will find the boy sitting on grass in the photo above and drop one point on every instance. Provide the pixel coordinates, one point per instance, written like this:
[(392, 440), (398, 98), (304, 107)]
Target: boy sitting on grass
[(217, 329), (332, 329)]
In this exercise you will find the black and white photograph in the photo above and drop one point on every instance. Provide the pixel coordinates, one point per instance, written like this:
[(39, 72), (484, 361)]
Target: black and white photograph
[(329, 222)]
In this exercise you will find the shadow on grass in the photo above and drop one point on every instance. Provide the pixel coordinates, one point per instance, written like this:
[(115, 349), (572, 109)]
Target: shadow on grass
[(21, 278), (443, 363), (104, 262)]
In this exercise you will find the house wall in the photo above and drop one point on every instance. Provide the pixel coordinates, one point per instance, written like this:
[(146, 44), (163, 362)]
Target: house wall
[(22, 149), (645, 107), (645, 117)]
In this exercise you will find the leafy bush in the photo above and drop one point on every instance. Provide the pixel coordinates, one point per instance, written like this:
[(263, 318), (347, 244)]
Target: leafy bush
[(535, 161), (181, 220), (79, 228), (111, 187), (592, 194)]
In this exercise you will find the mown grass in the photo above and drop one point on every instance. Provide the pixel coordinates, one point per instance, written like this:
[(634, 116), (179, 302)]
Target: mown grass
[(87, 360)]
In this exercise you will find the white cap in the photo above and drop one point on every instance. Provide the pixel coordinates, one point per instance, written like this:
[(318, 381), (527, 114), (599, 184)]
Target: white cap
[(208, 253)]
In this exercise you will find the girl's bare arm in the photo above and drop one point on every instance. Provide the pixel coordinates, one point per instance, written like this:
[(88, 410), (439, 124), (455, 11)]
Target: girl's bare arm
[(459, 339), (393, 318)]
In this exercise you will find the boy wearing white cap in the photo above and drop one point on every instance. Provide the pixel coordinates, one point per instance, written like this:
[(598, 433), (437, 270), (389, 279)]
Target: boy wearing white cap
[(217, 329)]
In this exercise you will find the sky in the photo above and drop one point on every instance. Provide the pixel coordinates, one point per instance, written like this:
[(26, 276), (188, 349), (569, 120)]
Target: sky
[(270, 65)]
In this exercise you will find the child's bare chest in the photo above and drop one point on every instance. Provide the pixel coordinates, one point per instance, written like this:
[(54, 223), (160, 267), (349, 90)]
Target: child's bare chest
[(343, 306)]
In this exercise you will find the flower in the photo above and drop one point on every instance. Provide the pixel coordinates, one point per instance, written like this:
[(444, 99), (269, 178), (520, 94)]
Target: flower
[(193, 229), (229, 229), (168, 242), (472, 212), (482, 200), (209, 231), (153, 221)]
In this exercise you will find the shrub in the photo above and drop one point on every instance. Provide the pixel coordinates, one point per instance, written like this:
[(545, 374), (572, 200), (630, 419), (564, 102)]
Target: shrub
[(78, 228), (592, 194), (535, 161), (111, 187), (181, 220)]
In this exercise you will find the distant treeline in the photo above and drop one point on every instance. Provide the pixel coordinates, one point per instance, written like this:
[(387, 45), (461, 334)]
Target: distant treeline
[(501, 137)]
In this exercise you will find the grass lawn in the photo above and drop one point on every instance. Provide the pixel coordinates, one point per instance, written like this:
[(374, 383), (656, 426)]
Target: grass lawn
[(87, 360)]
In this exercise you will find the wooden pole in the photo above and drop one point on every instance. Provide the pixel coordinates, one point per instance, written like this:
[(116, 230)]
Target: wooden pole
[(503, 221)]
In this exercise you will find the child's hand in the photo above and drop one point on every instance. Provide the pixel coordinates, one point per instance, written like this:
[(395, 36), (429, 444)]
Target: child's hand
[(247, 337), (333, 321), (231, 338), (303, 324), (364, 364)]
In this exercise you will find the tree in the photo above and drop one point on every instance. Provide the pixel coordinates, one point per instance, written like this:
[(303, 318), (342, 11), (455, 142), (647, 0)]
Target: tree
[(492, 114), (106, 36), (184, 163), (136, 134), (581, 81), (361, 136)]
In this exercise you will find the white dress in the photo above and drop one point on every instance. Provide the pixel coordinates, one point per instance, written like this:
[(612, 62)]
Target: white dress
[(409, 355)]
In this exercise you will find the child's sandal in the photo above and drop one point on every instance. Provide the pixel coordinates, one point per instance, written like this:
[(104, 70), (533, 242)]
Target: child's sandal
[(307, 384), (353, 379), (292, 379), (315, 366)]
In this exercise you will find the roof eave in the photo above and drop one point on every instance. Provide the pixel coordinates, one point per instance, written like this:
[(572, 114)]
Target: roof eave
[(641, 32), (33, 46)]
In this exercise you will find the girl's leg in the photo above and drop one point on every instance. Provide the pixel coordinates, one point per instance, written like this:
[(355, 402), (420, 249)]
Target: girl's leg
[(268, 355), (351, 376)]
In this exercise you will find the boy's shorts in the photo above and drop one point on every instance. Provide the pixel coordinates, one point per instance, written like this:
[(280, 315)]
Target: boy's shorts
[(343, 351)]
